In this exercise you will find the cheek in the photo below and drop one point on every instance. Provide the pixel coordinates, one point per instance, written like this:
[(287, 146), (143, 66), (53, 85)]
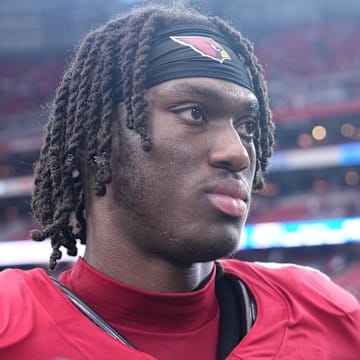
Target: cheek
[(173, 159)]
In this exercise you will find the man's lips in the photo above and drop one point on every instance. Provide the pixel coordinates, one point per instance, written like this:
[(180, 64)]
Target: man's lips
[(229, 197)]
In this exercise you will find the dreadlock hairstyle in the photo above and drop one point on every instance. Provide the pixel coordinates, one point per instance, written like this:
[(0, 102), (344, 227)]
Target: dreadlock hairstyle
[(82, 113)]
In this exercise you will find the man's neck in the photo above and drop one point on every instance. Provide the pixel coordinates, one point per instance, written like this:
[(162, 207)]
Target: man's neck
[(150, 274)]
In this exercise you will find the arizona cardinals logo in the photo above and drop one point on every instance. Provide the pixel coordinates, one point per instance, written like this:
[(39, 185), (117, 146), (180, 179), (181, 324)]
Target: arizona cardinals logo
[(204, 46)]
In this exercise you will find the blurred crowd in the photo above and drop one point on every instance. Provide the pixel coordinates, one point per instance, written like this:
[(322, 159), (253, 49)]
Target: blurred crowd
[(320, 63)]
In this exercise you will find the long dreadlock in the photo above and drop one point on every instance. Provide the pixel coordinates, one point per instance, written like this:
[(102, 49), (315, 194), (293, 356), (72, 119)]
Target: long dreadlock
[(82, 113)]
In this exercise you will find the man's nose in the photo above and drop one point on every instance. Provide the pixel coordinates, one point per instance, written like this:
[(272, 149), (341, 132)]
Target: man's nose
[(227, 150)]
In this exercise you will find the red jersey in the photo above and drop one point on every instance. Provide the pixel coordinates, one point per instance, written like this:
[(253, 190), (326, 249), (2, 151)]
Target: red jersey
[(300, 315)]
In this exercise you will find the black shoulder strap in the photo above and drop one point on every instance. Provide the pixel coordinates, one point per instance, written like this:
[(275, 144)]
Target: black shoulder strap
[(91, 314), (237, 312)]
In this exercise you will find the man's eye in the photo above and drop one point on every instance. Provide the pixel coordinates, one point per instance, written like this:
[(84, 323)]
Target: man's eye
[(192, 113), (247, 129), (196, 113)]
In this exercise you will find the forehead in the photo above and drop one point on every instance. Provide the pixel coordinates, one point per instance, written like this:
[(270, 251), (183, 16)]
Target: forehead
[(206, 89)]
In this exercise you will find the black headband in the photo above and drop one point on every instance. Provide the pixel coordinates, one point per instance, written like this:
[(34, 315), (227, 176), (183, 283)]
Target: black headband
[(192, 51)]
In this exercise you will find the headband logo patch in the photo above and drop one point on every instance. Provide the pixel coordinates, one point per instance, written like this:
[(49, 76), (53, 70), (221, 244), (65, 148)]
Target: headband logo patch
[(204, 46)]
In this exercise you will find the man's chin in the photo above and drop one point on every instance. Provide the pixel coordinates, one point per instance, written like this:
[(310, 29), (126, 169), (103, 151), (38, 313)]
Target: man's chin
[(200, 253)]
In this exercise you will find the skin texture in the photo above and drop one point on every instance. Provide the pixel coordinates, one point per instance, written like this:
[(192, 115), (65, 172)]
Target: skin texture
[(159, 229)]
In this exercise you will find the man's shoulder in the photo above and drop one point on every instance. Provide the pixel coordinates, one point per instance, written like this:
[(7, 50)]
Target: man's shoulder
[(271, 269), (17, 287), (18, 303), (15, 273), (301, 283), (303, 307)]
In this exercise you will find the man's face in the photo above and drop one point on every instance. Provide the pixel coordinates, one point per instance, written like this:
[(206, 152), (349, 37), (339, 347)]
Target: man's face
[(188, 198)]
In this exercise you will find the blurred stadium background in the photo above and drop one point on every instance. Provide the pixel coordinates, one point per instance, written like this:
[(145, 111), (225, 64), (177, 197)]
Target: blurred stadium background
[(309, 213)]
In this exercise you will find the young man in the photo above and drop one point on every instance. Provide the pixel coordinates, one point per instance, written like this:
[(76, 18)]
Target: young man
[(159, 132)]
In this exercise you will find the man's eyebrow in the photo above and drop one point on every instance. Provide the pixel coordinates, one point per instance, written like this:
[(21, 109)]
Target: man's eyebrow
[(254, 106), (198, 91)]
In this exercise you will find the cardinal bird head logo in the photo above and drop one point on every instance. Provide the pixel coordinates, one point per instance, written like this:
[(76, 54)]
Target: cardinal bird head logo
[(204, 46)]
